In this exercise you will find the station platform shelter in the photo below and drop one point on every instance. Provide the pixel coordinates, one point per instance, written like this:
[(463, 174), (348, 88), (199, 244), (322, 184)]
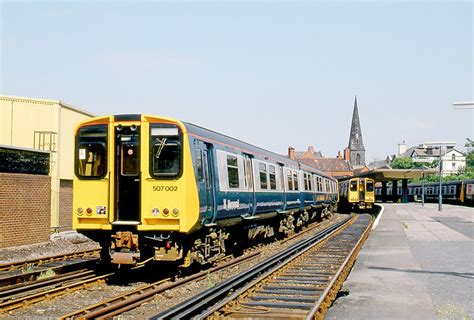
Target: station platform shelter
[(395, 176)]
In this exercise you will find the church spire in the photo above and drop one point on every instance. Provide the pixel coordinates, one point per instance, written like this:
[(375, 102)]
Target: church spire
[(356, 144)]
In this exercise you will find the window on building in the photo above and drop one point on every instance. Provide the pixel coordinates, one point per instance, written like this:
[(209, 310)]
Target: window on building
[(272, 174), (263, 176), (358, 159), (453, 157), (233, 172), (454, 165)]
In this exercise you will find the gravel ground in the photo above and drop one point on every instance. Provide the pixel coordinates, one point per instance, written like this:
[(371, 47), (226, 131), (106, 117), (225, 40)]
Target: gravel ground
[(65, 304), (60, 243)]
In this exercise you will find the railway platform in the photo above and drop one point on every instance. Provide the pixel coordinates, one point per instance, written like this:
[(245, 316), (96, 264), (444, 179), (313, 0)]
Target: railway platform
[(417, 263)]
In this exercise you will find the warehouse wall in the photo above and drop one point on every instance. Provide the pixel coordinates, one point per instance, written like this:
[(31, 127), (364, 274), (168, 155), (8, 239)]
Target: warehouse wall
[(25, 209)]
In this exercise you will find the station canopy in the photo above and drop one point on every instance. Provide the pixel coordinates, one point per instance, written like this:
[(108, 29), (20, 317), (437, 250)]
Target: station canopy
[(396, 174)]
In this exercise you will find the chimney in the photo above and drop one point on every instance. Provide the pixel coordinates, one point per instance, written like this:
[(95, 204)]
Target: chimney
[(402, 148), (311, 149), (291, 153), (347, 154), (339, 156)]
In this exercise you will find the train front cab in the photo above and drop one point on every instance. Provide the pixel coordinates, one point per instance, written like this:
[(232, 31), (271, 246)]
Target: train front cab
[(361, 193), (134, 186)]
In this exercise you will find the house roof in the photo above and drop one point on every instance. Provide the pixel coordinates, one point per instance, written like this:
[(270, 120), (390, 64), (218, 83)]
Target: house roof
[(308, 154), (423, 151), (46, 102)]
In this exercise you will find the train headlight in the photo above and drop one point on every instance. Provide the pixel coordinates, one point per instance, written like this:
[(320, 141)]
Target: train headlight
[(175, 212), (166, 211), (80, 211), (89, 211), (155, 211)]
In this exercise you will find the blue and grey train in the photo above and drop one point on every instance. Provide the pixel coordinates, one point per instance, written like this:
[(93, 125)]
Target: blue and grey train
[(456, 192), (154, 188)]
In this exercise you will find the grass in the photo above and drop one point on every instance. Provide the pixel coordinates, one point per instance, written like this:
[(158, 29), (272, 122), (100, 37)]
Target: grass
[(46, 274)]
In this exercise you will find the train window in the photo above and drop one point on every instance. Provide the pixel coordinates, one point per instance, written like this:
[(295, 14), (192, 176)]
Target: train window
[(289, 176), (91, 152), (248, 173), (370, 186), (307, 181), (165, 155), (130, 162), (353, 185), (263, 175), (295, 180), (199, 164), (272, 173), (233, 172)]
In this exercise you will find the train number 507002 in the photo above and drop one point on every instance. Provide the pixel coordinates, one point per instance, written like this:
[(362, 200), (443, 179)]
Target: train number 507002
[(163, 188)]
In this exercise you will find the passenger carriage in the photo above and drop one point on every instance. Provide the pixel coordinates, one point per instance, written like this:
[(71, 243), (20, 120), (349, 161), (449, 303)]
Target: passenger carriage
[(155, 188)]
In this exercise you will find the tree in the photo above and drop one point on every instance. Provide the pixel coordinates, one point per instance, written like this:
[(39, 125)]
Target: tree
[(402, 163), (470, 155)]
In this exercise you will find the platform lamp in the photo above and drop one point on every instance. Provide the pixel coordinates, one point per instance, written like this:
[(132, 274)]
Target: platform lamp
[(440, 144), (423, 167), (463, 105)]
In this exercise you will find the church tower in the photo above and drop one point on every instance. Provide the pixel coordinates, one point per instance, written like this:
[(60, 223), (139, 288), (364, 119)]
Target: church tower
[(356, 145)]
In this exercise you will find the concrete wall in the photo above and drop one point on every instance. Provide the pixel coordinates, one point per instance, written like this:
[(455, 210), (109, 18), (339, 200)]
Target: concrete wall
[(25, 209), (21, 117)]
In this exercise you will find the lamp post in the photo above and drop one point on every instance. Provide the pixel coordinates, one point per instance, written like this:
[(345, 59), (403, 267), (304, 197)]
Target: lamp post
[(463, 105), (440, 144), (423, 167)]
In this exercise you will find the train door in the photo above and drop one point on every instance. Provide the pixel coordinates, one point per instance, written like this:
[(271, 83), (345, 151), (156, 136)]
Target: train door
[(205, 180), (361, 189), (248, 172), (283, 185), (127, 174)]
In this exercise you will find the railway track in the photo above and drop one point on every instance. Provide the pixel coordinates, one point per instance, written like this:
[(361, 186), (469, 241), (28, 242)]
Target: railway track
[(85, 254), (300, 282), (26, 282), (29, 290), (130, 300), (122, 303), (24, 294)]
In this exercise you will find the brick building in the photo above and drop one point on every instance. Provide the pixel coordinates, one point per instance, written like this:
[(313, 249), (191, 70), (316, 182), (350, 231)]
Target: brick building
[(25, 196)]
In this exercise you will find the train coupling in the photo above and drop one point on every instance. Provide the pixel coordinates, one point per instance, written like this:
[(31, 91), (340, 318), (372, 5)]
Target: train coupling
[(124, 248), (170, 252)]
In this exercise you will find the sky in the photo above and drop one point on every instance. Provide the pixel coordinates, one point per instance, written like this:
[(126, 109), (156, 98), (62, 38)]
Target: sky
[(272, 73)]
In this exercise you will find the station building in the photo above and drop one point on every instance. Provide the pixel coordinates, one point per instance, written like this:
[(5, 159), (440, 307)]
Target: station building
[(46, 125)]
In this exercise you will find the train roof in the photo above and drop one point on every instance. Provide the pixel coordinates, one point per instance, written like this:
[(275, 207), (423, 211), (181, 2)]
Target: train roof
[(220, 138), (211, 136)]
